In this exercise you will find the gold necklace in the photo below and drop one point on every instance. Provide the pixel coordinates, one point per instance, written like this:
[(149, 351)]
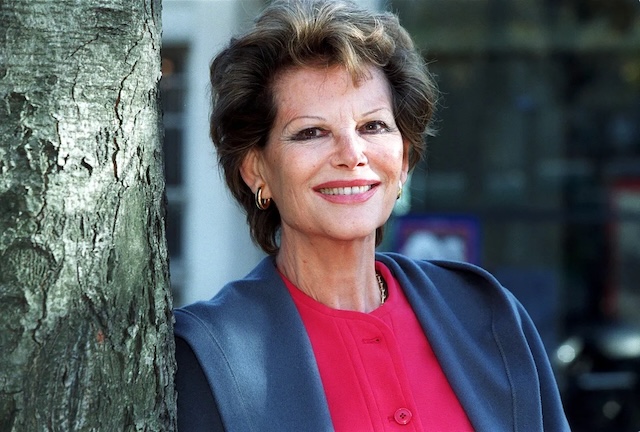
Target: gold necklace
[(383, 288)]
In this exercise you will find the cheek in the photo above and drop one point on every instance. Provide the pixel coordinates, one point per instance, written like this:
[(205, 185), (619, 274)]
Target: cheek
[(288, 174), (396, 157)]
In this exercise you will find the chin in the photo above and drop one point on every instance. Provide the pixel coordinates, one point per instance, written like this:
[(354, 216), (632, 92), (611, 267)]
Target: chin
[(357, 234)]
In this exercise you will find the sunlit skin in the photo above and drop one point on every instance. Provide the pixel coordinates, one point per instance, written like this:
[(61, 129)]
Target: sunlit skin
[(333, 165)]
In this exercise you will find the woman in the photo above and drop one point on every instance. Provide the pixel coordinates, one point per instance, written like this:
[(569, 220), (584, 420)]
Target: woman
[(319, 113)]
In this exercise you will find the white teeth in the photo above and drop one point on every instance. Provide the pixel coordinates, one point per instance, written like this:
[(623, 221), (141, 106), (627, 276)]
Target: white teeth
[(345, 190)]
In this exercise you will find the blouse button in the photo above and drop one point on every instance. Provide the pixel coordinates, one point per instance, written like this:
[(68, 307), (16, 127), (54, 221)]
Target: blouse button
[(402, 416)]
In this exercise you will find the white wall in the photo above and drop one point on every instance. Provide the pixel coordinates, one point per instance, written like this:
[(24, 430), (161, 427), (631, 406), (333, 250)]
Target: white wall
[(216, 244)]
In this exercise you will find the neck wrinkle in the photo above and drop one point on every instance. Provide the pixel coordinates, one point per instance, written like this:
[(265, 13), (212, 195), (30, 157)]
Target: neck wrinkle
[(339, 275)]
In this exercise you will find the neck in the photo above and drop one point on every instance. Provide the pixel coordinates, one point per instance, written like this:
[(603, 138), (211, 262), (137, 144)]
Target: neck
[(340, 275)]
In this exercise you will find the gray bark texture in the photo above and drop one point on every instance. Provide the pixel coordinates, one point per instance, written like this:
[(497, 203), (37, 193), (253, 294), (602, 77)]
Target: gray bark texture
[(85, 308)]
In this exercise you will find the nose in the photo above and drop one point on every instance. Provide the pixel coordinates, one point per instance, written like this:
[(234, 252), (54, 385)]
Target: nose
[(350, 150)]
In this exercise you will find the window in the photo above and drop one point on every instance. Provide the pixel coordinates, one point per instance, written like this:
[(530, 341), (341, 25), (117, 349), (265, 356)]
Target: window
[(172, 90), (539, 124)]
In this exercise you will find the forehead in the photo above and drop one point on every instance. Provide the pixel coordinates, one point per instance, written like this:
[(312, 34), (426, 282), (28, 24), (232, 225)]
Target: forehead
[(303, 84)]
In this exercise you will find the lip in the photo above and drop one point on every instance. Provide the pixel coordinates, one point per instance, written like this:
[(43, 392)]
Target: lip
[(346, 183), (352, 196)]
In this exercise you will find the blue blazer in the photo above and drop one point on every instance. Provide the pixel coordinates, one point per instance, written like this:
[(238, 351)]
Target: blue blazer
[(257, 358)]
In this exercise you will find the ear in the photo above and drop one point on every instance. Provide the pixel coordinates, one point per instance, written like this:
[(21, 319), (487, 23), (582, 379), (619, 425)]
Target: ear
[(250, 170), (405, 162)]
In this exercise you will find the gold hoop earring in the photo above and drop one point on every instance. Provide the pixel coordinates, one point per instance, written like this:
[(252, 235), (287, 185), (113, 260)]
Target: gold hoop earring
[(261, 203), (399, 190)]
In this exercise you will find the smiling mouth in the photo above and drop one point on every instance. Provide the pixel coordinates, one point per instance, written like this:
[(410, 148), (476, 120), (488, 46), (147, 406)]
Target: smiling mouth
[(354, 190)]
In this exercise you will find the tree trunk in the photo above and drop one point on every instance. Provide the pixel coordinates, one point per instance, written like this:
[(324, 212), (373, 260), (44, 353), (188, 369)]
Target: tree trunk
[(85, 307)]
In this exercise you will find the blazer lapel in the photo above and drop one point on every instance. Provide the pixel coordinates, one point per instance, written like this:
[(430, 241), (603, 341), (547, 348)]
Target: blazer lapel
[(465, 316), (257, 356)]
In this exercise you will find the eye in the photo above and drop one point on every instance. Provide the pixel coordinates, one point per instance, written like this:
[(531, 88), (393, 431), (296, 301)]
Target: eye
[(309, 133), (374, 127)]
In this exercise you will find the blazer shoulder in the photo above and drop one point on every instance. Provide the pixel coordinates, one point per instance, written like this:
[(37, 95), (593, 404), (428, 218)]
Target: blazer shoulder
[(444, 274), (239, 304)]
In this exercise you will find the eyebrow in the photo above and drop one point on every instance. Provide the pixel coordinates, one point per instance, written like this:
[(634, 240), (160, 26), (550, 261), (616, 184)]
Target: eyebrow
[(323, 119), (376, 110), (304, 117)]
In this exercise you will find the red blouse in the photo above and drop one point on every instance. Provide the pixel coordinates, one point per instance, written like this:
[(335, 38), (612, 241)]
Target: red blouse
[(378, 370)]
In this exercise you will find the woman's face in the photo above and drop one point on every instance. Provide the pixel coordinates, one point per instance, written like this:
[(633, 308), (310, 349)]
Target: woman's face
[(335, 157)]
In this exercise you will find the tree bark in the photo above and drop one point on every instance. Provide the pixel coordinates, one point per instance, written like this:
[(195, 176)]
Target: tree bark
[(85, 307)]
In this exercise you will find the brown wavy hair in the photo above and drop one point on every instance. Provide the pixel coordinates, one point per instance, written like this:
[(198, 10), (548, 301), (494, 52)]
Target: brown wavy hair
[(317, 33)]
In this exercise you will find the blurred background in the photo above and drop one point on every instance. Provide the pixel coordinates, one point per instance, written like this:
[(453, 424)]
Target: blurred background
[(534, 173)]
